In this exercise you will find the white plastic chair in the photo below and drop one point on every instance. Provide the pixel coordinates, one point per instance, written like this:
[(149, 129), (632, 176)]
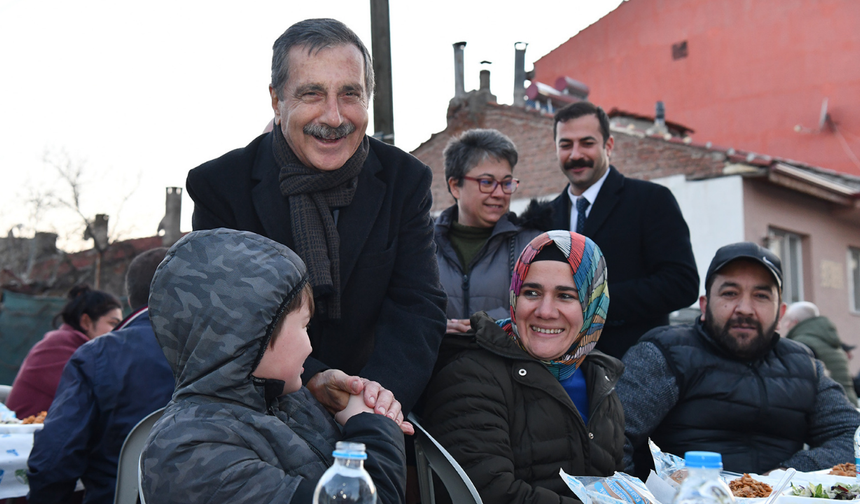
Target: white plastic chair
[(128, 468), (431, 457)]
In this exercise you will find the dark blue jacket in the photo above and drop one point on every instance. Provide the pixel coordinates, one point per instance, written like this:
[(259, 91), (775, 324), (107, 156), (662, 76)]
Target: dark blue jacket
[(108, 386)]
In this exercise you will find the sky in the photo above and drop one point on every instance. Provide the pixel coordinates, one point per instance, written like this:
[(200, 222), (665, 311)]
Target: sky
[(135, 94)]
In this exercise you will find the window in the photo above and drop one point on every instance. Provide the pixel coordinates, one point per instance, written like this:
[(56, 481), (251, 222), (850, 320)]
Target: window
[(787, 246), (679, 50), (854, 278)]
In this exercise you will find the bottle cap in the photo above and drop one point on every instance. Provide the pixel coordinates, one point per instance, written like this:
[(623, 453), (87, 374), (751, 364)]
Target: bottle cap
[(703, 459), (353, 451)]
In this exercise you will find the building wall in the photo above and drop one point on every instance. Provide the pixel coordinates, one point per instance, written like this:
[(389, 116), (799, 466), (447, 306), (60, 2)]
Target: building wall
[(714, 211), (754, 70), (825, 242)]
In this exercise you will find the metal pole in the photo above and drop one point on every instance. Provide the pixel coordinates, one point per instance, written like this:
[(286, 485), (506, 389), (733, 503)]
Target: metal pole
[(383, 101)]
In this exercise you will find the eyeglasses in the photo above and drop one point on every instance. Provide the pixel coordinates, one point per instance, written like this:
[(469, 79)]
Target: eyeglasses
[(488, 184)]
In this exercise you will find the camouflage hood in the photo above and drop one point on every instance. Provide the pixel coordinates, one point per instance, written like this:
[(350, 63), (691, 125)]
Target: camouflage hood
[(213, 304)]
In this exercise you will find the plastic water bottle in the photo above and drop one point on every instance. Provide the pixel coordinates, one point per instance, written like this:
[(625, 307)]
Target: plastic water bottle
[(703, 484), (857, 454), (346, 482)]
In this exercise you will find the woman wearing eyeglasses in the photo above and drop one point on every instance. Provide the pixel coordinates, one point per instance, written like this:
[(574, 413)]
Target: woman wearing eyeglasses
[(477, 239)]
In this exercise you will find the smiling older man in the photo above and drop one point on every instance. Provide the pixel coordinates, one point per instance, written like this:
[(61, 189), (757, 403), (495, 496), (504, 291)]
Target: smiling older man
[(728, 383), (356, 210)]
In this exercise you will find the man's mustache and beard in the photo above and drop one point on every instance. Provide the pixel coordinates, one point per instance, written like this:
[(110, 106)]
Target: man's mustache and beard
[(748, 350), (578, 163), (326, 132)]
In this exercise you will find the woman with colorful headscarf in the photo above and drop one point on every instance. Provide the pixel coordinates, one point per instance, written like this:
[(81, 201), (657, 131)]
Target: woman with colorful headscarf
[(515, 400)]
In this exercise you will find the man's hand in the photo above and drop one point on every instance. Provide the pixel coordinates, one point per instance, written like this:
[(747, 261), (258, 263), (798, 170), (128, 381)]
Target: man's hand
[(333, 389), (458, 326)]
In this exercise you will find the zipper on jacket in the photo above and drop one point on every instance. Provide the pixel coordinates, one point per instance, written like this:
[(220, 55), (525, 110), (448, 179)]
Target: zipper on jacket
[(467, 313)]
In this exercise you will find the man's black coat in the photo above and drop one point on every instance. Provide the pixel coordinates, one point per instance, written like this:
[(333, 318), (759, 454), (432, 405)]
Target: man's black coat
[(393, 307), (645, 240)]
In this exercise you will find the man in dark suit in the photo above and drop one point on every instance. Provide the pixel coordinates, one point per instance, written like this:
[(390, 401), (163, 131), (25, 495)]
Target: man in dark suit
[(637, 224), (356, 210)]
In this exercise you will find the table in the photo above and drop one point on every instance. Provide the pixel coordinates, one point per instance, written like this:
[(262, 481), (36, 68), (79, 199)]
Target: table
[(16, 441)]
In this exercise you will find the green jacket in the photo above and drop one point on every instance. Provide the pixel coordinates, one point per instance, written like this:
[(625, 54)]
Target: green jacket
[(819, 334)]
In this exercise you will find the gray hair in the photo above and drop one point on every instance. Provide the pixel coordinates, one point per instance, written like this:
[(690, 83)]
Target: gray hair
[(316, 35), (801, 311), (474, 146)]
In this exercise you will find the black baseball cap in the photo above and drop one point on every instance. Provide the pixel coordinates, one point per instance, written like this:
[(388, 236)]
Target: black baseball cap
[(746, 250)]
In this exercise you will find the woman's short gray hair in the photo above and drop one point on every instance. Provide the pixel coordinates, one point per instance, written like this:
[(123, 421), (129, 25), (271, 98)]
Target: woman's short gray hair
[(315, 35), (467, 150)]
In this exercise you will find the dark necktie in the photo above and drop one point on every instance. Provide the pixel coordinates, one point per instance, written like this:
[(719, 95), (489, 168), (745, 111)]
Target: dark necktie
[(581, 205)]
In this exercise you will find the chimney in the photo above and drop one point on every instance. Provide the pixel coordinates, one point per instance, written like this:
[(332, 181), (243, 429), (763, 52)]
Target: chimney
[(485, 81), (172, 212), (520, 73), (660, 119), (459, 76)]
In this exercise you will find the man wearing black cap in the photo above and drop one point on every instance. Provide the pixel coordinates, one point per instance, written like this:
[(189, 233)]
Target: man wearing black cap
[(728, 383)]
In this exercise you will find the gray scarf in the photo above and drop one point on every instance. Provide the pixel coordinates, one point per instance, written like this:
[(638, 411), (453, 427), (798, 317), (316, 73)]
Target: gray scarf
[(312, 195)]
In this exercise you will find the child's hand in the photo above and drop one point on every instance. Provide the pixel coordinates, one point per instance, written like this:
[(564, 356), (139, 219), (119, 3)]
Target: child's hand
[(354, 406)]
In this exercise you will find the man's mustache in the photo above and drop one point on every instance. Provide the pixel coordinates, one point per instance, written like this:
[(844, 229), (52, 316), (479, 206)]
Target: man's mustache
[(743, 321), (327, 132), (578, 163)]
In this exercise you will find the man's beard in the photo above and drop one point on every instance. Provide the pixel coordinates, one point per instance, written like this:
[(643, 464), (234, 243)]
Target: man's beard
[(578, 163), (327, 132), (756, 348)]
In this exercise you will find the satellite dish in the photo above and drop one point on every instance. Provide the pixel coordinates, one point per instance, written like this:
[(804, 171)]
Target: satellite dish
[(824, 118)]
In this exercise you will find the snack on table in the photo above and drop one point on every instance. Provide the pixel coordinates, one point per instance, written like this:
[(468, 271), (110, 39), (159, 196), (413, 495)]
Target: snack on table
[(846, 469), (746, 486), (838, 492), (35, 419)]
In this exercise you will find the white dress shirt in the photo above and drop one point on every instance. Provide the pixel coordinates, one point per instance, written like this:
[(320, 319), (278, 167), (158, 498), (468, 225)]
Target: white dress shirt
[(589, 194)]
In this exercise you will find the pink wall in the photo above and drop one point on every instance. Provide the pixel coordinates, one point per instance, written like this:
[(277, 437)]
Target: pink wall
[(825, 244), (754, 70)]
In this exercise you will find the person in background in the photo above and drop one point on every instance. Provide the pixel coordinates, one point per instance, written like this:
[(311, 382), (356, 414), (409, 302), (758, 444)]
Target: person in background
[(231, 311), (87, 315), (517, 399), (477, 239), (729, 384), (108, 386), (803, 323)]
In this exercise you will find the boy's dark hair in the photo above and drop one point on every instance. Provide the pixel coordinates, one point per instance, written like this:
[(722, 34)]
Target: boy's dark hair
[(83, 300), (139, 276), (577, 110), (307, 293)]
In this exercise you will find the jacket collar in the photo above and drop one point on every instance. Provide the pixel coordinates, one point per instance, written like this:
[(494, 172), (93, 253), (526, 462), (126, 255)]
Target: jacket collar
[(449, 215)]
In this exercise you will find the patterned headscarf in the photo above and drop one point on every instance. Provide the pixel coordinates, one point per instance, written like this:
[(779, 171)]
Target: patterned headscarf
[(589, 275)]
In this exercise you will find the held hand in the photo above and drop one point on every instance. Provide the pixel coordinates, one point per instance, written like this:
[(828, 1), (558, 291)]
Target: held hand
[(333, 388), (354, 406), (458, 326), (383, 403)]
